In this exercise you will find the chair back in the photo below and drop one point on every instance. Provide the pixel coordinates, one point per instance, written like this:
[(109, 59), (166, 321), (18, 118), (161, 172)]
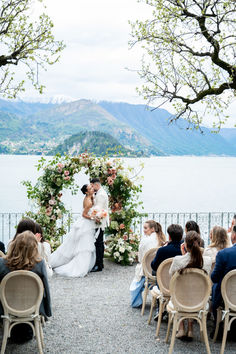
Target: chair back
[(21, 293), (163, 276), (146, 263), (190, 291), (228, 290)]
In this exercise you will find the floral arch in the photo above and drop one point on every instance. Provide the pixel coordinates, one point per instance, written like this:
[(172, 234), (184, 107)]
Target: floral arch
[(59, 173)]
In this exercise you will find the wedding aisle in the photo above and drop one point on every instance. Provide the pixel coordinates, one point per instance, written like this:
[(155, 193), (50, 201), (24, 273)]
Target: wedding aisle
[(92, 315)]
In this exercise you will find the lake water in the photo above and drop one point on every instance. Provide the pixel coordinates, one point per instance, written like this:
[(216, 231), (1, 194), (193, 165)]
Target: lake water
[(170, 184)]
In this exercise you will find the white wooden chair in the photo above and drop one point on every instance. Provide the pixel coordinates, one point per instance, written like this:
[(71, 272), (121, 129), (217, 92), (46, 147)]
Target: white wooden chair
[(190, 293), (228, 314), (150, 280), (21, 293)]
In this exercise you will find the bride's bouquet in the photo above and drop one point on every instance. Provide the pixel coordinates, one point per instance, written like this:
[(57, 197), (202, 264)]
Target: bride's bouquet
[(98, 214)]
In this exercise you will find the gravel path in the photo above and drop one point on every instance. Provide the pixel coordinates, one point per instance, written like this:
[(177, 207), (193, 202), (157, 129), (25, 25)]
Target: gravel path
[(92, 315)]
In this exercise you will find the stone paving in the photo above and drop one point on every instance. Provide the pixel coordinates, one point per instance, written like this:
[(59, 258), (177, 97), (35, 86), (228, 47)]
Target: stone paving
[(92, 315)]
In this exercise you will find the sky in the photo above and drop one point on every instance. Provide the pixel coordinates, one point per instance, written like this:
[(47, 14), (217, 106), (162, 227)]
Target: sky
[(97, 62)]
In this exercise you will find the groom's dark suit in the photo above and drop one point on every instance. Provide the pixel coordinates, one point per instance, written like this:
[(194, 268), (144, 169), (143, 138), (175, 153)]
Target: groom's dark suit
[(101, 200)]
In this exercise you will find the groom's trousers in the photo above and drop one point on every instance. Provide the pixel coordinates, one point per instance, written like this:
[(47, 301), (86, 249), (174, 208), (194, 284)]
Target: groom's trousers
[(99, 244)]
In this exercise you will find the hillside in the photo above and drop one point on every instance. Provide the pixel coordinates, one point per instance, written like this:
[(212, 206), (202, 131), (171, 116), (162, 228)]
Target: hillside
[(94, 142), (36, 128), (173, 138)]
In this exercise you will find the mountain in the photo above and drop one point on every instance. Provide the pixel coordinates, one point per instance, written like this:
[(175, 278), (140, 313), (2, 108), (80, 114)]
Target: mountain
[(95, 142), (38, 128), (74, 117), (229, 134), (22, 108), (173, 139)]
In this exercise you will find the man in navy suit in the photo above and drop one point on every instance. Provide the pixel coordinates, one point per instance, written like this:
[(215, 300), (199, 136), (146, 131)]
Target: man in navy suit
[(225, 262), (172, 249)]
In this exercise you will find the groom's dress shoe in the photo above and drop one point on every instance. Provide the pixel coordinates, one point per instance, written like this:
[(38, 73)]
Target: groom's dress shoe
[(96, 269)]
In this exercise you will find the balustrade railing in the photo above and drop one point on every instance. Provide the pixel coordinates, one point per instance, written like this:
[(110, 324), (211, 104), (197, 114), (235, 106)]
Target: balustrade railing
[(206, 221)]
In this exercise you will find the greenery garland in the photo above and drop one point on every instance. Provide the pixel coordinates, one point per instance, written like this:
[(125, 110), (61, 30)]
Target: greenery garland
[(123, 193)]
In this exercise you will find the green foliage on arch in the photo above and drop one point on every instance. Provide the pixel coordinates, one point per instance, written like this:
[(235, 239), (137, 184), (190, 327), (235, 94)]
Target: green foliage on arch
[(59, 173)]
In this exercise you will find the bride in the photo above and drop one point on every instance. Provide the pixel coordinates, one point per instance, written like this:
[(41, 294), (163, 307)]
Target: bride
[(76, 256)]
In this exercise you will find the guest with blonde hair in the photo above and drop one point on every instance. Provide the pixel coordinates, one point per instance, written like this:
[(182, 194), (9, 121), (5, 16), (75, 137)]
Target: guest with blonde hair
[(23, 255), (219, 241), (153, 238)]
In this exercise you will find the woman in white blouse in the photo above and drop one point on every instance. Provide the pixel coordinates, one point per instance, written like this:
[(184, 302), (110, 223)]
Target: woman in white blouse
[(153, 238), (219, 241), (44, 248), (192, 259)]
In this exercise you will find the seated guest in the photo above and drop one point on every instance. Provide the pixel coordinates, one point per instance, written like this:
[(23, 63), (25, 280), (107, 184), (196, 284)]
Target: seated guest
[(23, 255), (25, 224), (191, 225), (44, 248), (192, 259), (233, 222), (153, 238), (225, 262), (172, 248), (219, 241), (2, 247)]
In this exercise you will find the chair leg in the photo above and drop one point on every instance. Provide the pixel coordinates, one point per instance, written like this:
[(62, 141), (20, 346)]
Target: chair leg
[(151, 309), (218, 319), (168, 328), (204, 330), (144, 297), (161, 309), (37, 335), (224, 333), (6, 325), (174, 330), (41, 334)]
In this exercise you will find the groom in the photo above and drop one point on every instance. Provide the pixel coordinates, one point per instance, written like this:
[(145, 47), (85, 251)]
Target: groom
[(100, 200)]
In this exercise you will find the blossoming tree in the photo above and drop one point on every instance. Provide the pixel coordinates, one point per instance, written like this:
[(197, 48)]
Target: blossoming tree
[(59, 173)]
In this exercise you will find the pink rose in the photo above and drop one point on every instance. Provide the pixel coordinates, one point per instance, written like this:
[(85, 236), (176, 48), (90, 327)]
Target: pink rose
[(113, 177), (113, 171), (125, 237), (67, 178), (109, 181), (60, 165), (66, 173), (109, 171), (52, 202), (49, 211), (122, 226)]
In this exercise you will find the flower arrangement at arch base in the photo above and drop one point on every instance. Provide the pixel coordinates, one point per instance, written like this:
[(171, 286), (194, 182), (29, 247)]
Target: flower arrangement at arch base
[(59, 173)]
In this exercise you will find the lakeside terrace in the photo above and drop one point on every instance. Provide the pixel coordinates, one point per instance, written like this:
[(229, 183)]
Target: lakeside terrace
[(206, 221)]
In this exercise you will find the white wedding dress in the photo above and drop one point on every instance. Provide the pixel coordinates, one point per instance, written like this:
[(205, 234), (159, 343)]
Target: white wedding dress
[(76, 256)]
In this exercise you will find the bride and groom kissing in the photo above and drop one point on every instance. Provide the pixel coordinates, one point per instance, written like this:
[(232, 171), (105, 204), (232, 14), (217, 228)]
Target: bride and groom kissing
[(83, 248)]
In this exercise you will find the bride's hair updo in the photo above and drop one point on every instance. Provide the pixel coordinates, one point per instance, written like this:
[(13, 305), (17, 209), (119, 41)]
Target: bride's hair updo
[(84, 189)]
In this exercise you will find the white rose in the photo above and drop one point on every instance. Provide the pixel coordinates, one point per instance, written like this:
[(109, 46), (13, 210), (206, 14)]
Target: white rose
[(116, 254), (122, 249)]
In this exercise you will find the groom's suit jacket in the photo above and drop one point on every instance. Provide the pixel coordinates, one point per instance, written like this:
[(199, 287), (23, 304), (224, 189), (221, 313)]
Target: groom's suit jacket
[(101, 200)]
